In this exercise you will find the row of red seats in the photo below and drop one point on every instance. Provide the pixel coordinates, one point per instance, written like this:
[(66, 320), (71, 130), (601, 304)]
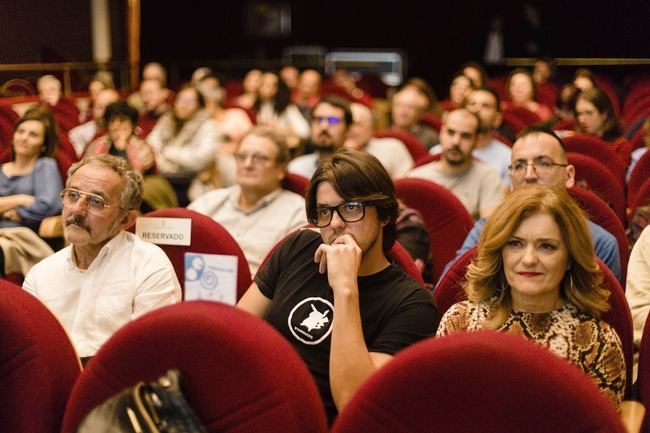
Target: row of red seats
[(235, 389)]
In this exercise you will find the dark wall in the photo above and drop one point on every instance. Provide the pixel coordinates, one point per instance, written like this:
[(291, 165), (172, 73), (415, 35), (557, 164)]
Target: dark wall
[(436, 36), (39, 30)]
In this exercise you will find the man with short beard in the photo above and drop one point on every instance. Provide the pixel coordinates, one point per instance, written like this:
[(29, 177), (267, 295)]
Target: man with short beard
[(330, 121), (106, 276), (474, 183)]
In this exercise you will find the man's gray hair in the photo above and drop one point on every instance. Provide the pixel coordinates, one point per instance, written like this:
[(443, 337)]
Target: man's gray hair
[(131, 191)]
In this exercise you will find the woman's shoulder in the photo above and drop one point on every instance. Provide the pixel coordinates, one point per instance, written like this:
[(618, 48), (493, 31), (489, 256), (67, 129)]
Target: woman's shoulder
[(463, 316), (600, 329), (460, 309), (46, 162)]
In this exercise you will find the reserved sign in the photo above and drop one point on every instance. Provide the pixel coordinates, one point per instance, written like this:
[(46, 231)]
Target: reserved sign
[(164, 231)]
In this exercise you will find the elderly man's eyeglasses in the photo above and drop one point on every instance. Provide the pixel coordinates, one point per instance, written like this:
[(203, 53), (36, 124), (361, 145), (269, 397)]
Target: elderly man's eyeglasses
[(331, 120), (349, 212), (95, 203), (542, 165), (257, 158)]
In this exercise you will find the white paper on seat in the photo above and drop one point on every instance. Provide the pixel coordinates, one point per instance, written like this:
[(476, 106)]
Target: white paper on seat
[(211, 277)]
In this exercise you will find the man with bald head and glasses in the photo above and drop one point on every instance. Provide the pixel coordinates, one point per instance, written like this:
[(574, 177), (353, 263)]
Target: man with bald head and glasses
[(539, 157), (106, 276), (330, 121), (336, 297), (256, 210)]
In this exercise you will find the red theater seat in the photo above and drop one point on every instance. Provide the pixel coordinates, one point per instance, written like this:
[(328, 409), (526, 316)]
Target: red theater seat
[(415, 147), (640, 173), (596, 148), (593, 175), (526, 116), (478, 382), (445, 217), (209, 237), (239, 374), (601, 214), (295, 183), (38, 365)]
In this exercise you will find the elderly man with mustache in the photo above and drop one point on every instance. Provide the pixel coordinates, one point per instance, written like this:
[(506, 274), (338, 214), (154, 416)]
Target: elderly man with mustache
[(106, 276), (477, 185), (330, 121)]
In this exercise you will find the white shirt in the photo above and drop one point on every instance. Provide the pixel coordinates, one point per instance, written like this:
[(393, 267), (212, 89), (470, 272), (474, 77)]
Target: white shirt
[(81, 136), (496, 155), (258, 230), (637, 287), (305, 165), (128, 278), (392, 154)]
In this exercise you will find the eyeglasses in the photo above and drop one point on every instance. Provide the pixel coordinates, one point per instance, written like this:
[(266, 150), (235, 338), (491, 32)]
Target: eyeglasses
[(349, 212), (257, 158), (331, 120), (95, 203), (542, 165)]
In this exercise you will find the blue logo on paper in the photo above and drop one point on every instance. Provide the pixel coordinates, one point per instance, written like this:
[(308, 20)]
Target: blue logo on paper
[(195, 271)]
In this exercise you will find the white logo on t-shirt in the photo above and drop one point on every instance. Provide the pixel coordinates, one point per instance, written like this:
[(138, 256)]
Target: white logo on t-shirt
[(310, 320), (316, 319)]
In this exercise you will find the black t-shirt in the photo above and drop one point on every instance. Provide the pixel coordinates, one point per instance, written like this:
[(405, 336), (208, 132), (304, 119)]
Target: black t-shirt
[(395, 310)]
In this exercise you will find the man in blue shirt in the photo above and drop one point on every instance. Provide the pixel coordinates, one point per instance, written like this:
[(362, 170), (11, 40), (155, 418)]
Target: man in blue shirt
[(539, 156)]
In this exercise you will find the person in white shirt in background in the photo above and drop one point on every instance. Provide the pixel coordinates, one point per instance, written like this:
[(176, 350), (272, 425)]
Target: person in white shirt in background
[(391, 152), (106, 276), (81, 136), (256, 211)]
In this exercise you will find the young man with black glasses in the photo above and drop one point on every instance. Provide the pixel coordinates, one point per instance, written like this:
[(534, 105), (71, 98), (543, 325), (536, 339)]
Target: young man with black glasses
[(335, 295)]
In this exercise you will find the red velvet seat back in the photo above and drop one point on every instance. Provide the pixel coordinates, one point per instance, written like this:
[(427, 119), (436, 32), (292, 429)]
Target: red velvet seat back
[(8, 119), (526, 116), (601, 214), (38, 365), (449, 291), (593, 175), (445, 217), (239, 374), (478, 382), (431, 120), (514, 122), (639, 111), (547, 93), (641, 198), (565, 124), (295, 183), (596, 148), (635, 98), (413, 145), (209, 237)]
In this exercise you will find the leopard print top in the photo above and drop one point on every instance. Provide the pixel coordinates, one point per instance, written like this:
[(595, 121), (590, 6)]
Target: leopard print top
[(589, 343)]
